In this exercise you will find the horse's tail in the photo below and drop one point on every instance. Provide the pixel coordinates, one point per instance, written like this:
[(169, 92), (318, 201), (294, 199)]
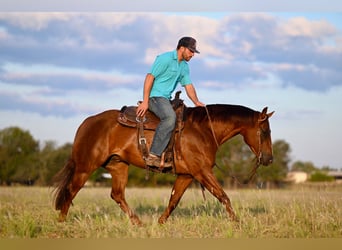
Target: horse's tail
[(61, 181)]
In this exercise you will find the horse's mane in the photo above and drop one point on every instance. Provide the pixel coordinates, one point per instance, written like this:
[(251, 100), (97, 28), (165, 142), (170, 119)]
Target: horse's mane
[(220, 113)]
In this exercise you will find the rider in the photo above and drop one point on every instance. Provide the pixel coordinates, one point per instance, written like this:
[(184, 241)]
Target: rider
[(168, 69)]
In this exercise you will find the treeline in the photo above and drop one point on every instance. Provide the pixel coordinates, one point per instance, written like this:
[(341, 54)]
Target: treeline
[(23, 160)]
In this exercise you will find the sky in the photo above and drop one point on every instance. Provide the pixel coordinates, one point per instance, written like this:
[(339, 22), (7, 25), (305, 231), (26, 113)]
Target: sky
[(57, 68)]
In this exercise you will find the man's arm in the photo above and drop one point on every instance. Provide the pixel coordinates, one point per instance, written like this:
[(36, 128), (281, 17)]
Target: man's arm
[(143, 107), (191, 92)]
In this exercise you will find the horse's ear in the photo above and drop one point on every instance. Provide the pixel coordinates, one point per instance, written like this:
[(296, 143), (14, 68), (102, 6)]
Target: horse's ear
[(264, 115), (264, 111), (270, 114)]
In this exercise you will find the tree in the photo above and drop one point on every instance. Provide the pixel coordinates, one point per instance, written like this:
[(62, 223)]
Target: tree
[(18, 156), (22, 161), (52, 159), (320, 176), (307, 167), (277, 171), (236, 158), (137, 177)]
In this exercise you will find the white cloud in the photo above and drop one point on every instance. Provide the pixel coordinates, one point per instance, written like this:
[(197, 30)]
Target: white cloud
[(300, 26), (39, 75), (100, 51), (34, 21), (58, 67), (116, 20)]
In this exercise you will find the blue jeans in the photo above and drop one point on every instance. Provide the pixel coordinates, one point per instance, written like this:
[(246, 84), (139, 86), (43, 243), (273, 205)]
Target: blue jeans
[(162, 108)]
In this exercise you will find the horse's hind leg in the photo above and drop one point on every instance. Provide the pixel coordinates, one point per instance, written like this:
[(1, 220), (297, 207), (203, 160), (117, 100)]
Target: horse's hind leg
[(69, 182), (181, 184), (119, 172), (209, 181), (77, 183)]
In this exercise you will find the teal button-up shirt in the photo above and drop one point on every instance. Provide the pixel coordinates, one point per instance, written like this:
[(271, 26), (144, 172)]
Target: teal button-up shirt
[(168, 72)]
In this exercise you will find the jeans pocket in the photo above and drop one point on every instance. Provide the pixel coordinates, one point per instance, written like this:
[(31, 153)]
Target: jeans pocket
[(153, 99)]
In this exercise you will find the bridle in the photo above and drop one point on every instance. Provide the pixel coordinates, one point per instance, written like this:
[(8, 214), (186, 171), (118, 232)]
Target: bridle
[(258, 154)]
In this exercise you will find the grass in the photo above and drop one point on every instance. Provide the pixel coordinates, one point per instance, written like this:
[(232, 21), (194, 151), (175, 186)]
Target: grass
[(297, 213)]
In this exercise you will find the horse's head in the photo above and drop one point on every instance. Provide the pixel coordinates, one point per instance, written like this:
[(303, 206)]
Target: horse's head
[(259, 138)]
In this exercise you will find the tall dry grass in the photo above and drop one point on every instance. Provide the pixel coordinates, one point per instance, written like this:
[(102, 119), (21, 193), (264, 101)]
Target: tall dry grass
[(297, 213)]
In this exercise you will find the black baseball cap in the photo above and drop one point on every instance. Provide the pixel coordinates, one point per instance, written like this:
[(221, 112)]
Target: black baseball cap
[(188, 42)]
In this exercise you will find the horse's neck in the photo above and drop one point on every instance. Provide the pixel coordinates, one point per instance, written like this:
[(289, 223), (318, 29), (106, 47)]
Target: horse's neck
[(223, 121), (230, 125), (225, 131)]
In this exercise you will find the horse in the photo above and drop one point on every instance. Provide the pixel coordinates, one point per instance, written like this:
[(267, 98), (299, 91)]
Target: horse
[(100, 141)]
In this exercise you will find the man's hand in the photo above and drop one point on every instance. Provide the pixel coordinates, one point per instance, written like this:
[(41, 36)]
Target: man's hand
[(199, 104), (142, 108), (191, 92)]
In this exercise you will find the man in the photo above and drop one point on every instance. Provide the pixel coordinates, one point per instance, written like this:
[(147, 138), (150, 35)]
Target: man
[(167, 71)]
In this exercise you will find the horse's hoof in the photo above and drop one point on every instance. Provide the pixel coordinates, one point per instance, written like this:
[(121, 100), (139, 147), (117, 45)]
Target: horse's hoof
[(136, 222), (234, 218), (61, 218), (162, 220)]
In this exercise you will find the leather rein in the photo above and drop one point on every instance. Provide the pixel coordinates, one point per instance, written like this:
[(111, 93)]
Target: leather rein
[(259, 154)]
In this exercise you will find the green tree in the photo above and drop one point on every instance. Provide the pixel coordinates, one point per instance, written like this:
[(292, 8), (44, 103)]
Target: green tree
[(234, 162), (277, 171), (18, 156), (142, 178), (307, 167), (52, 159), (237, 162), (320, 176)]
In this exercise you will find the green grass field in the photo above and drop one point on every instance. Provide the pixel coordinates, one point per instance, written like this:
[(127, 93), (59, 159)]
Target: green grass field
[(301, 212)]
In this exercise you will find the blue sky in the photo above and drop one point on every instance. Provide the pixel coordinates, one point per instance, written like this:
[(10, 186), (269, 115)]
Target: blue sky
[(58, 68)]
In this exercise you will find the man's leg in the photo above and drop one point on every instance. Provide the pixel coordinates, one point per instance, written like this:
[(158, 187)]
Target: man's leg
[(162, 108)]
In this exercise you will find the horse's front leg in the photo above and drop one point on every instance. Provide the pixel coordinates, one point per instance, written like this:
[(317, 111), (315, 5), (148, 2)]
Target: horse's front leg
[(181, 184), (209, 181), (119, 172)]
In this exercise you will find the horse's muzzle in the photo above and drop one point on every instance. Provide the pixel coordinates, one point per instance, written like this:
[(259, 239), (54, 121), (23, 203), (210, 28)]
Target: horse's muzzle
[(266, 159)]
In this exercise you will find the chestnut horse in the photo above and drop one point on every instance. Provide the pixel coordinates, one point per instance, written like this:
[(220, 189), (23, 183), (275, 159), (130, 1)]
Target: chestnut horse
[(102, 142)]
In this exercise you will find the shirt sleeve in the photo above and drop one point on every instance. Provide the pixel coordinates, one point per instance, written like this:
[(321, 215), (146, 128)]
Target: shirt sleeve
[(158, 67)]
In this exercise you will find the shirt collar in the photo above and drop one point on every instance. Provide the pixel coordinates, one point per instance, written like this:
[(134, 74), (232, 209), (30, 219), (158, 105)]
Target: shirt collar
[(175, 55)]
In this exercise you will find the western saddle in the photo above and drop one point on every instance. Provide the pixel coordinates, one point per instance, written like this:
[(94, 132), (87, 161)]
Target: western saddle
[(150, 121)]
